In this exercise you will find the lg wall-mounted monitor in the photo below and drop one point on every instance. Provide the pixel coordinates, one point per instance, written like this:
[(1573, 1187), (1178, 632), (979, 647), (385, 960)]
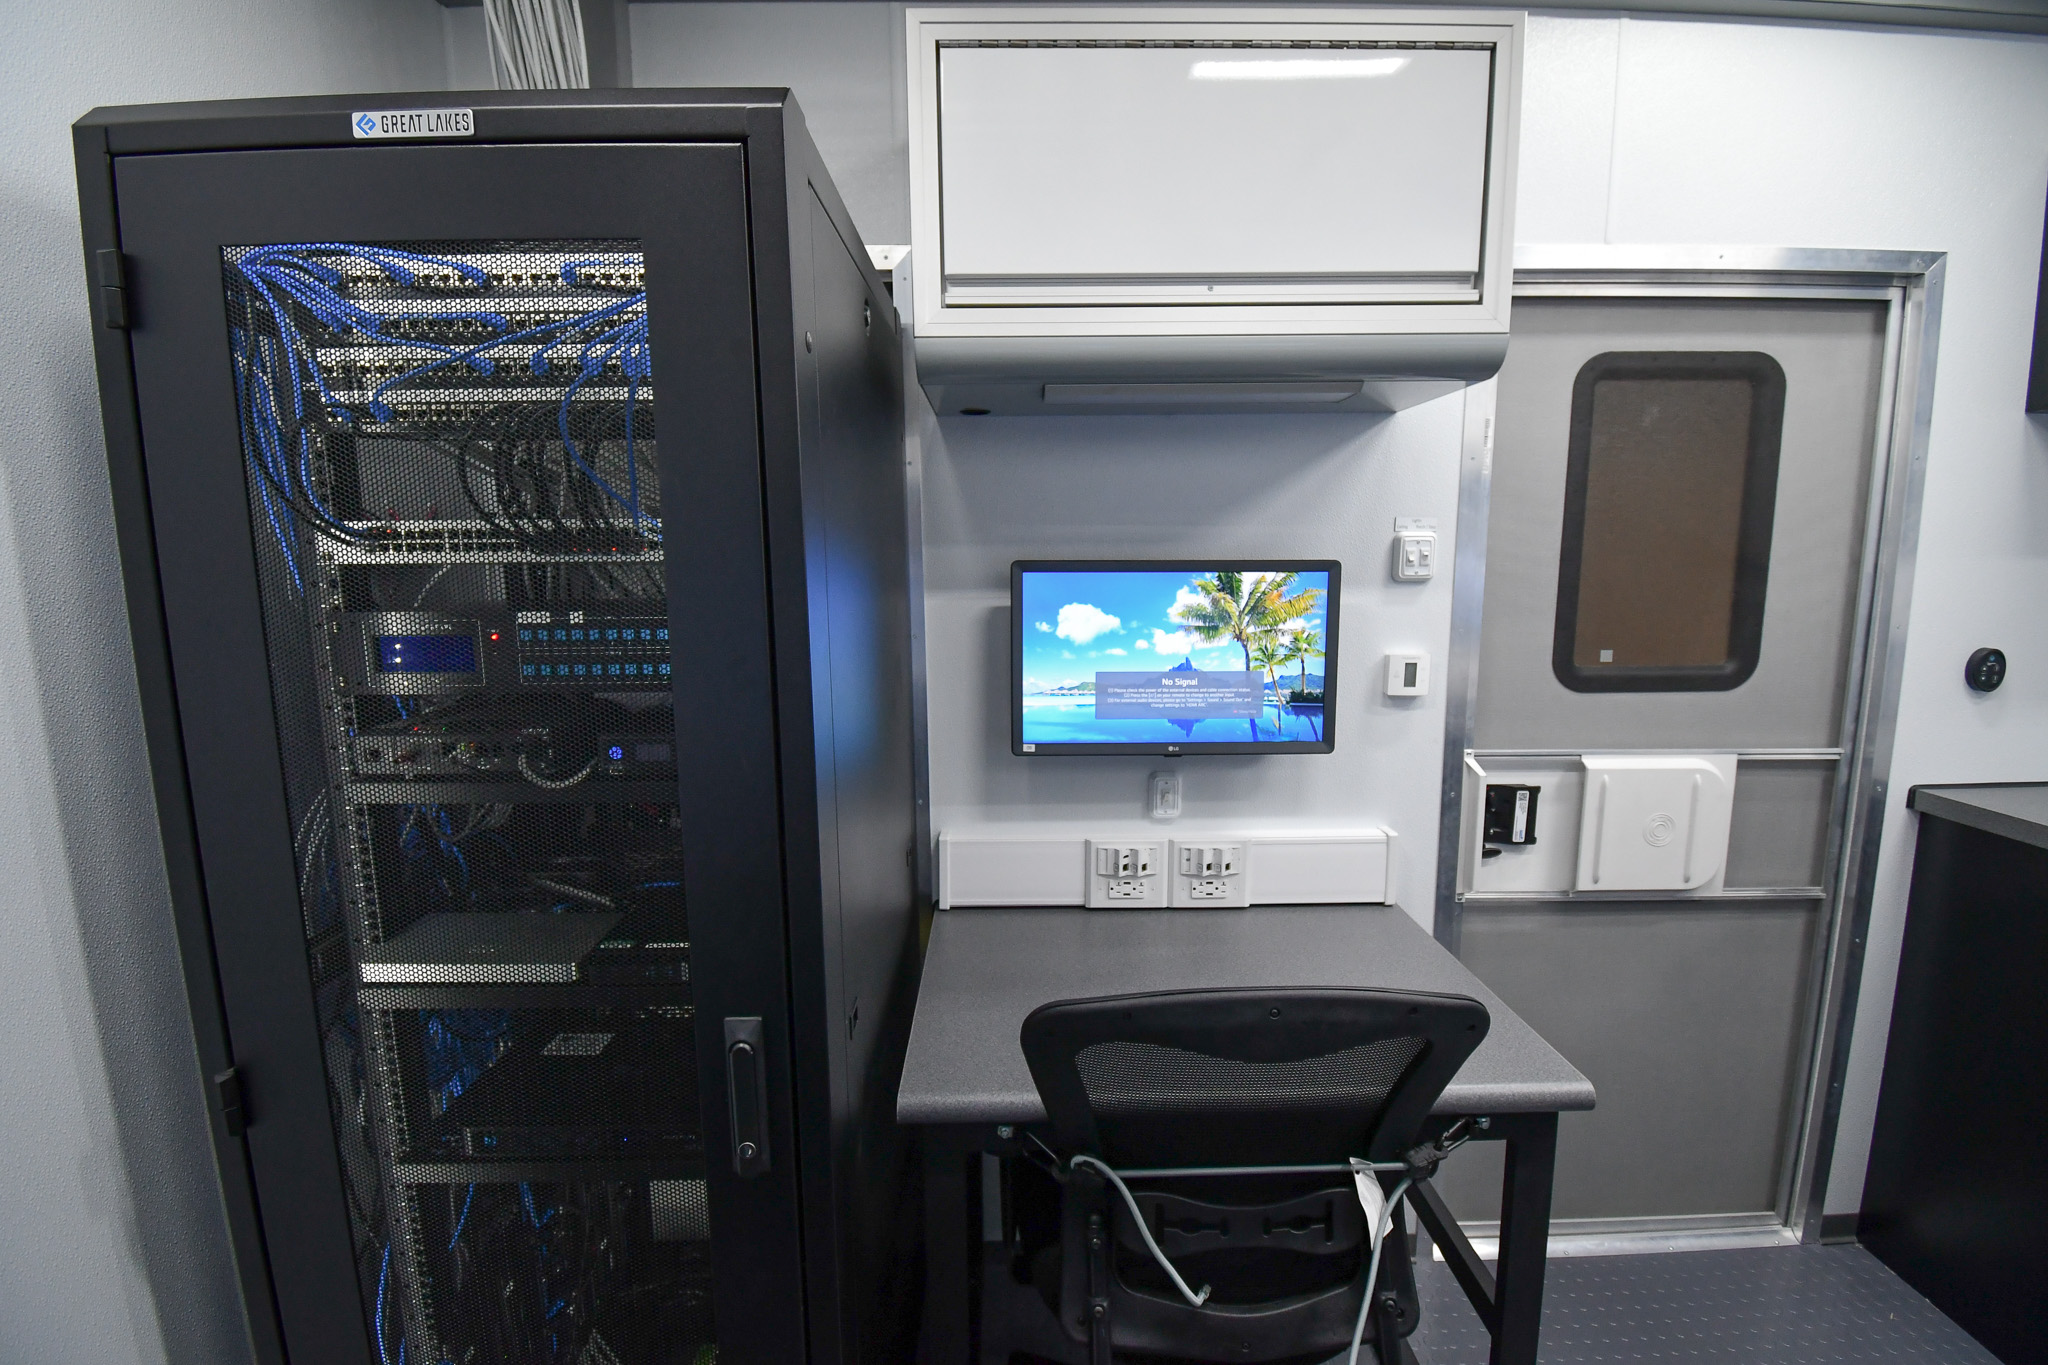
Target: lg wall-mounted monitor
[(1173, 656)]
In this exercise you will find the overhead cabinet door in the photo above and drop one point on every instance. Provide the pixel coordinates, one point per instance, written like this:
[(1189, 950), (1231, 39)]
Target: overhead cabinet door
[(1106, 172), (434, 437)]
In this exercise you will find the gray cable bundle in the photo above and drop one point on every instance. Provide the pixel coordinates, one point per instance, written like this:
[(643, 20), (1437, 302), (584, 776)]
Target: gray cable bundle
[(537, 44)]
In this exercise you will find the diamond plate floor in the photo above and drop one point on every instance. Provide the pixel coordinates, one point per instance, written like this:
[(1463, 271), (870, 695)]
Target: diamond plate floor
[(1796, 1305)]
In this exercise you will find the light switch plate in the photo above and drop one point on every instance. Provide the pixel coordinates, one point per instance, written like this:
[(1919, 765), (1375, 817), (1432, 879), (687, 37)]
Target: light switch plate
[(1414, 549), (1162, 795)]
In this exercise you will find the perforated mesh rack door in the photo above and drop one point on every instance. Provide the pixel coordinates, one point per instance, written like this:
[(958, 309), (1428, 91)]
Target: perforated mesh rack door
[(450, 466)]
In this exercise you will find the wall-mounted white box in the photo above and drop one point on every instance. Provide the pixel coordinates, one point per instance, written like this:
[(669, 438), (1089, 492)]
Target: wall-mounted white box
[(1157, 209), (1320, 869), (1654, 822), (1012, 870)]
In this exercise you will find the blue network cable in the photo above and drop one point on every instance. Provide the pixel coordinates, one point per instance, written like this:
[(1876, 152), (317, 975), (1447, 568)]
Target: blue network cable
[(275, 371), (628, 345), (383, 1275), (467, 1200), (446, 826), (436, 820), (459, 1046), (532, 1213), (243, 383)]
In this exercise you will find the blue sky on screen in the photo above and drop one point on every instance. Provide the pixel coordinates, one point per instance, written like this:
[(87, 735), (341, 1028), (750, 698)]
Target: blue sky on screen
[(1076, 623)]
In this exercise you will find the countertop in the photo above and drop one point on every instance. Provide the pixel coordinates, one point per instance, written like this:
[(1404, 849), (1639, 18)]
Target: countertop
[(2016, 810), (986, 969)]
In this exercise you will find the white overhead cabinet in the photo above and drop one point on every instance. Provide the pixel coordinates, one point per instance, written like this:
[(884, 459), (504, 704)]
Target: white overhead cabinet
[(1131, 176), (1211, 209)]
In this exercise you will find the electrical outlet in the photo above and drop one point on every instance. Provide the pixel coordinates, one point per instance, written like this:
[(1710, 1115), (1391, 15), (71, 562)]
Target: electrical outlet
[(1209, 875), (1124, 876)]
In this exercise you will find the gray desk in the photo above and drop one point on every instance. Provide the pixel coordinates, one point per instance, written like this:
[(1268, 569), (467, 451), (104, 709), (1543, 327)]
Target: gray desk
[(2011, 810), (966, 1084)]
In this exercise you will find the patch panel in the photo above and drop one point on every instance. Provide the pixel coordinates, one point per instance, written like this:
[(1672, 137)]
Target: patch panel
[(476, 542), (417, 653)]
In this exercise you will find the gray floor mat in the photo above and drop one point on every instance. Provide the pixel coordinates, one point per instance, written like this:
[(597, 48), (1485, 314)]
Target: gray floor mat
[(1795, 1305)]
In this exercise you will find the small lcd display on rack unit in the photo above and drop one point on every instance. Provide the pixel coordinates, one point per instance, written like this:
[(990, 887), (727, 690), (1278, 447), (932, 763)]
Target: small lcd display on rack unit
[(426, 653), (1173, 657)]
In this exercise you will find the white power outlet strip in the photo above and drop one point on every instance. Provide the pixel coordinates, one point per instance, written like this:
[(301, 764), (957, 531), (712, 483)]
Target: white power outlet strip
[(1025, 865), (1209, 876), (1125, 876)]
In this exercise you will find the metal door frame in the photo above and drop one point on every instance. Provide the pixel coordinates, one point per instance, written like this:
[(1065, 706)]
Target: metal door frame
[(1910, 285)]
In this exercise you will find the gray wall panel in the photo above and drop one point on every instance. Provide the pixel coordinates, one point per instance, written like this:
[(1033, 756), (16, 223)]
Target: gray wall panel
[(845, 63), (1779, 832), (1688, 1019)]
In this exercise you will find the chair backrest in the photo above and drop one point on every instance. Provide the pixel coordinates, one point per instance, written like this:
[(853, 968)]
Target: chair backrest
[(1247, 1077)]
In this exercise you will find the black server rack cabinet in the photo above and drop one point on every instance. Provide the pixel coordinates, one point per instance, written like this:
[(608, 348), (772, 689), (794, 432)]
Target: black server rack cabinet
[(512, 514)]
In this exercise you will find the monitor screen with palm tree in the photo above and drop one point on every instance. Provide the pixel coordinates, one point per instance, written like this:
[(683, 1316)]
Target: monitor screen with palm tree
[(1173, 657)]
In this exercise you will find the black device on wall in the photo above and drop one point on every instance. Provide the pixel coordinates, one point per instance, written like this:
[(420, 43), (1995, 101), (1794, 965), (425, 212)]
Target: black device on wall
[(1142, 656), (538, 824)]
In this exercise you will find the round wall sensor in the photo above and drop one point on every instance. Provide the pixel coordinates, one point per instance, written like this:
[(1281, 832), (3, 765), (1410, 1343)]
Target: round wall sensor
[(1985, 671)]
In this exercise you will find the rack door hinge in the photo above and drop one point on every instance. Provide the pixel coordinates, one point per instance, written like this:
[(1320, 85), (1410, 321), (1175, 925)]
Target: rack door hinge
[(113, 287), (227, 1099)]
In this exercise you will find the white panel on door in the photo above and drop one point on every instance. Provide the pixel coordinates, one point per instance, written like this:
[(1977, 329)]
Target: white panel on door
[(1654, 822), (1213, 162)]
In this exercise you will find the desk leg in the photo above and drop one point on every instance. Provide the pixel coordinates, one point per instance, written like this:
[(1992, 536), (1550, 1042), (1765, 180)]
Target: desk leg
[(945, 1339), (1524, 1235)]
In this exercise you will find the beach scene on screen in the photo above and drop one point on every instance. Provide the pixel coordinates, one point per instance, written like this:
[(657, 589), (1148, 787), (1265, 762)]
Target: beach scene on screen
[(1178, 657)]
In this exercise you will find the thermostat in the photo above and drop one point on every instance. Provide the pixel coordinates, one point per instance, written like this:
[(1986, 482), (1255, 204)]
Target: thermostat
[(1407, 675), (1985, 670)]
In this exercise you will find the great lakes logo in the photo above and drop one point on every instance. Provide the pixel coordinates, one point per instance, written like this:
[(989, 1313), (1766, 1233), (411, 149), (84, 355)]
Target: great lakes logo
[(412, 123)]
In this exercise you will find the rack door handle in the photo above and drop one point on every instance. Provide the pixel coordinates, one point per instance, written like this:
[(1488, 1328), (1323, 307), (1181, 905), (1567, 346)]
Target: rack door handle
[(746, 1093)]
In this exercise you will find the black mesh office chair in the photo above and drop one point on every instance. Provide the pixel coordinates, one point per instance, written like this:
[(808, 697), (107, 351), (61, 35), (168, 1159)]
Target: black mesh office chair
[(1232, 1083)]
